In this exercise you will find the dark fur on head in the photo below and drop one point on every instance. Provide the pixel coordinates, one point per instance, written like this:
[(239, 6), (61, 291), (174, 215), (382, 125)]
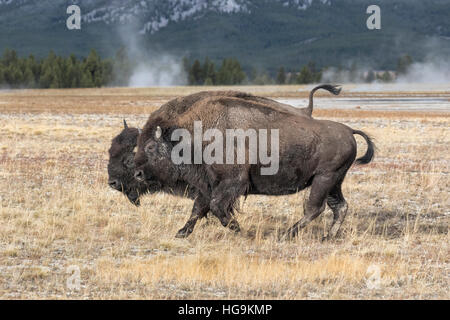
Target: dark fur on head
[(121, 168)]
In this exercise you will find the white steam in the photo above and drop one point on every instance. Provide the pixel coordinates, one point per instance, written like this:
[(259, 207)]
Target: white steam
[(150, 67), (335, 75), (433, 68), (353, 73), (433, 71), (157, 71)]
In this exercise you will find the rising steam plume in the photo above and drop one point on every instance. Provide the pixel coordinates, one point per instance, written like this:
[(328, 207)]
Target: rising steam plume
[(150, 67)]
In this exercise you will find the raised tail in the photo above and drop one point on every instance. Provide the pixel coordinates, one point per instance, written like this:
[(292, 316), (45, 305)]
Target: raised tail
[(365, 159), (334, 89)]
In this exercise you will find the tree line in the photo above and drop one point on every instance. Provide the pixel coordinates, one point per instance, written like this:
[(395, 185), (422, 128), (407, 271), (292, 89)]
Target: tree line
[(64, 72), (356, 74), (230, 73), (72, 72), (53, 71)]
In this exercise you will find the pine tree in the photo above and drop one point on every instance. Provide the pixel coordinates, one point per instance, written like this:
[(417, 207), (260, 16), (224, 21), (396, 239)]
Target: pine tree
[(224, 73), (209, 72), (386, 77), (70, 67), (86, 80), (56, 80), (63, 66), (47, 73), (28, 78), (107, 72), (93, 66), (195, 75), (305, 76), (35, 68), (13, 75), (230, 72), (59, 73), (204, 73), (46, 76), (238, 74), (2, 75), (9, 57), (370, 76), (281, 76)]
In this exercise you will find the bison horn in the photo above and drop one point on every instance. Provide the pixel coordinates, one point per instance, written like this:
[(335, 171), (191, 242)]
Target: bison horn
[(139, 131), (125, 124), (158, 132)]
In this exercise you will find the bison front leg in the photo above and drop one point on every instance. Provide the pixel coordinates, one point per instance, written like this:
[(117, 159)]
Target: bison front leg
[(199, 210), (224, 214), (224, 198)]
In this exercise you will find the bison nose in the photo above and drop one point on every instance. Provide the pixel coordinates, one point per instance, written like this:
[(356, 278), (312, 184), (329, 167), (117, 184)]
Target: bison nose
[(139, 175), (115, 184)]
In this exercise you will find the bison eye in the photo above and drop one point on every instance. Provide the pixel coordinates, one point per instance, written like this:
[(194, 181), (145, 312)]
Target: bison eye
[(129, 161), (150, 147)]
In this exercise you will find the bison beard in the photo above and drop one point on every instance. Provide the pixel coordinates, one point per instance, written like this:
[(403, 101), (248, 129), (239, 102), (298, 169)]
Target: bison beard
[(313, 153), (121, 170)]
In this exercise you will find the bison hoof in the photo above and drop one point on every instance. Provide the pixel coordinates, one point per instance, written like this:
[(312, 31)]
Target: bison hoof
[(234, 226), (183, 233), (287, 236)]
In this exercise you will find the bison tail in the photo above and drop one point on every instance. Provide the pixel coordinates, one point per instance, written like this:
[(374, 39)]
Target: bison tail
[(334, 89), (368, 157)]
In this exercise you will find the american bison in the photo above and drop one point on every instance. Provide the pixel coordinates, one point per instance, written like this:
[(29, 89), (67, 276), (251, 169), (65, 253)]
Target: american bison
[(312, 153), (121, 168)]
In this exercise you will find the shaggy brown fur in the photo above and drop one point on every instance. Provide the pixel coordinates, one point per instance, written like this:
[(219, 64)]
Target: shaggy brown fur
[(314, 153)]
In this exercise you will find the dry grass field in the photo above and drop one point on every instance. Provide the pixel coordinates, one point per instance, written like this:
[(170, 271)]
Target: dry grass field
[(57, 213)]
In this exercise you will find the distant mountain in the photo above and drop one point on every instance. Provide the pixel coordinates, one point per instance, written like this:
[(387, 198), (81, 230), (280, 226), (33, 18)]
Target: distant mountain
[(262, 34)]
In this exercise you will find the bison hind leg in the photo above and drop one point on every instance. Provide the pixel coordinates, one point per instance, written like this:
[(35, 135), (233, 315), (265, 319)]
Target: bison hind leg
[(339, 207), (315, 204)]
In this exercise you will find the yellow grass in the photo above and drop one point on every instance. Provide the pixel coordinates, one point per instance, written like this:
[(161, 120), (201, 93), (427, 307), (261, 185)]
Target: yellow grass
[(57, 211)]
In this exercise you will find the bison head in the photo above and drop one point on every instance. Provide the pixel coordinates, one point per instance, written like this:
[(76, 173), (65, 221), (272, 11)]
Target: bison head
[(121, 166), (153, 157)]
